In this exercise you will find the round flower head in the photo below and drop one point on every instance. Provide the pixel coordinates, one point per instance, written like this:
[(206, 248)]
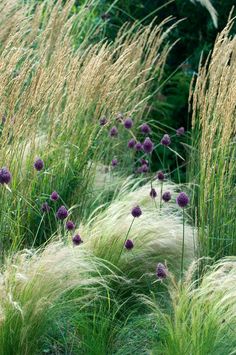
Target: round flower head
[(4, 118), (131, 143), (166, 196), (144, 168), (180, 131), (62, 213), (153, 193), (161, 271), (102, 121), (160, 176), (182, 199), (45, 208), (136, 212), (70, 225), (38, 164), (114, 162), (145, 128), (138, 146), (129, 244), (128, 123), (144, 161), (54, 196), (148, 145), (5, 176), (77, 240), (166, 140), (113, 132)]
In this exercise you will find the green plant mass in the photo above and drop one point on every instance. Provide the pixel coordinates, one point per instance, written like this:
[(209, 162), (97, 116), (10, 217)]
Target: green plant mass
[(117, 177)]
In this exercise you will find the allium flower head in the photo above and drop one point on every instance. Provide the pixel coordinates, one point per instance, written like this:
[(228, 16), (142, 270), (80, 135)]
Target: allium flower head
[(62, 213), (54, 196), (114, 162), (129, 244), (138, 146), (166, 140), (119, 117), (5, 176), (144, 161), (39, 164), (128, 123), (144, 168), (161, 271), (148, 146), (166, 196), (77, 240), (136, 212), (153, 193), (145, 128), (70, 225), (45, 208), (131, 143), (180, 131), (113, 132), (102, 121), (4, 118), (160, 176), (182, 199)]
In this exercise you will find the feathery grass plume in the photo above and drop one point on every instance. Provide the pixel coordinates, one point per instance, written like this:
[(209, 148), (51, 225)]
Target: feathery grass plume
[(202, 315), (210, 8), (156, 234), (38, 289), (212, 161), (53, 93)]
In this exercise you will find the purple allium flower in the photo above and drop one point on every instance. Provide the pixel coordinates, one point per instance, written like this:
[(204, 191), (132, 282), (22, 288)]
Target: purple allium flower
[(138, 146), (153, 193), (160, 176), (131, 143), (5, 176), (166, 140), (77, 239), (54, 196), (114, 132), (129, 244), (102, 121), (161, 271), (166, 196), (136, 212), (38, 164), (62, 213), (144, 161), (180, 131), (148, 146), (114, 162), (45, 208), (139, 170), (145, 128), (144, 168), (128, 123), (70, 225), (182, 199)]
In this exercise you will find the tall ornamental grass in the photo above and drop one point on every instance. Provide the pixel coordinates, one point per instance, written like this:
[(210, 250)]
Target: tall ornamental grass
[(202, 315), (54, 88), (212, 162)]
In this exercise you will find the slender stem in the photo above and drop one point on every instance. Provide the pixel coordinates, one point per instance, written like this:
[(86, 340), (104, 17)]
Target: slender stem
[(39, 226), (126, 237), (161, 194), (182, 256)]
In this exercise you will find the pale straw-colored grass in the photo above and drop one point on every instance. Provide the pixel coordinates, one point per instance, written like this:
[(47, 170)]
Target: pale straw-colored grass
[(54, 84), (214, 148)]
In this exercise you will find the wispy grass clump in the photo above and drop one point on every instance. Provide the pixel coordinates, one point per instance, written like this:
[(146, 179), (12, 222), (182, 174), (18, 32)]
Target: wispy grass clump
[(212, 162), (54, 89), (201, 318), (156, 234), (41, 290)]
